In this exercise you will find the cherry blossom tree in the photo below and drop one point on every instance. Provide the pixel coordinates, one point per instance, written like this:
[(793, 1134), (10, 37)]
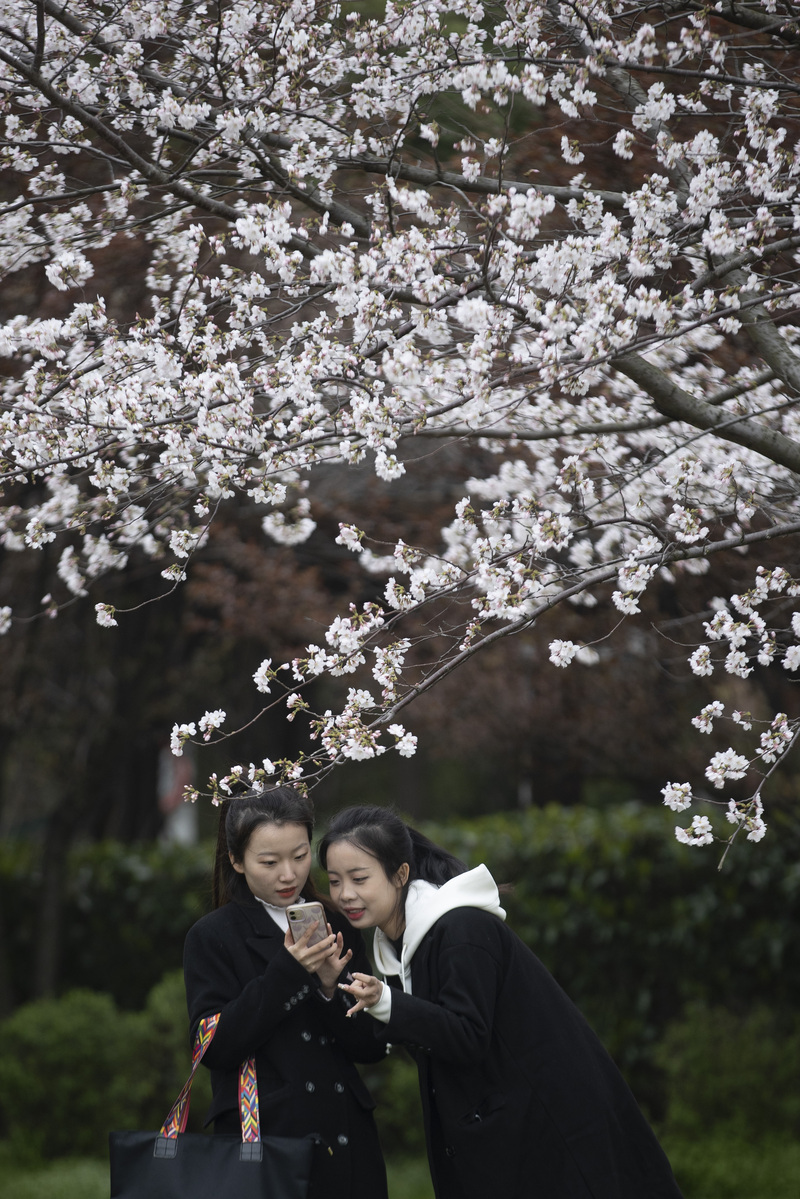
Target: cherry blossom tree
[(567, 233)]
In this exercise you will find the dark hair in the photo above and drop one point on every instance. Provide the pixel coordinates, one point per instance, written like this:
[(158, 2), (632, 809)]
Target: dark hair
[(381, 833), (238, 820)]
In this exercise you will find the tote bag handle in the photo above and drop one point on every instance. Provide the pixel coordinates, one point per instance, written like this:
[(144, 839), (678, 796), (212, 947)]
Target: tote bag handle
[(248, 1090)]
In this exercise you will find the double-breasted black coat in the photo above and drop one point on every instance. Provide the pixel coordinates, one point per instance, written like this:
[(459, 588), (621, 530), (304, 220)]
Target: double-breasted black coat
[(271, 1008), (519, 1096)]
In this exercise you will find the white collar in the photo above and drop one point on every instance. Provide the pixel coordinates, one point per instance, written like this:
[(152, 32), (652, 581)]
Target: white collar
[(278, 914)]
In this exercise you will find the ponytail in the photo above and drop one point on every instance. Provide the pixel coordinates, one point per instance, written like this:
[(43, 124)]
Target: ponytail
[(431, 863)]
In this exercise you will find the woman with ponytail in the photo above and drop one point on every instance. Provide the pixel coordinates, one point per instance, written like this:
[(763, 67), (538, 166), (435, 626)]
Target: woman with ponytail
[(518, 1095), (278, 1000)]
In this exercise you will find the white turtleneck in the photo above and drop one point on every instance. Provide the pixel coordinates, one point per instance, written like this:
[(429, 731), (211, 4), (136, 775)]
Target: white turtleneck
[(278, 914)]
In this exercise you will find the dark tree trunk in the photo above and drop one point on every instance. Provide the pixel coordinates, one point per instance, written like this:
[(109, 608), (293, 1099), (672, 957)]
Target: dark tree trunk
[(6, 990), (55, 850)]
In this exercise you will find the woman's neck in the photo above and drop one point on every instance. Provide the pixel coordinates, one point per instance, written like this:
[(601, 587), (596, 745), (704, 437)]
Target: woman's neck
[(394, 928)]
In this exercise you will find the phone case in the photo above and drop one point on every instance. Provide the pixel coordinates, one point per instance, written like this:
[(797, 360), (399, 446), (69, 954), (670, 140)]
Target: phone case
[(303, 915)]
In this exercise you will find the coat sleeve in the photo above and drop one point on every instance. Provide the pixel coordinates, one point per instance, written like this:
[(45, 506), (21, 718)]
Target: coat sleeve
[(249, 1013), (466, 971)]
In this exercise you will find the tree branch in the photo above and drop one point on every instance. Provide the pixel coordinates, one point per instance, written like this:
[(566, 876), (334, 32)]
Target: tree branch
[(752, 254), (38, 57), (751, 17), (592, 579), (763, 332), (673, 401), (483, 185), (633, 96), (147, 169)]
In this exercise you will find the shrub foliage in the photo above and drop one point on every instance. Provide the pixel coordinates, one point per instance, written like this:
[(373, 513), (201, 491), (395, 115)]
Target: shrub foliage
[(638, 930)]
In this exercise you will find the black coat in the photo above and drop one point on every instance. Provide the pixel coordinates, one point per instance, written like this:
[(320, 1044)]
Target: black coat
[(519, 1097), (271, 1008)]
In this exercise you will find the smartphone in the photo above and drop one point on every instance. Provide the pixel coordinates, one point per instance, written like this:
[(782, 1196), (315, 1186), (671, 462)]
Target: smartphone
[(303, 915)]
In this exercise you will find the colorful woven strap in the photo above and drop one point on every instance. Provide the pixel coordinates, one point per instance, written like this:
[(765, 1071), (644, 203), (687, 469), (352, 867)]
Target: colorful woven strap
[(248, 1101), (248, 1090)]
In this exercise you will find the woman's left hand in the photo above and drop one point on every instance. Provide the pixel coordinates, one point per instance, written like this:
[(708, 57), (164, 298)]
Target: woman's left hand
[(366, 991), (329, 970)]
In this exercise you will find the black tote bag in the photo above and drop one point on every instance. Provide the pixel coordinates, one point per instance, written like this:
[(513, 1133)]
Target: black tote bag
[(174, 1164)]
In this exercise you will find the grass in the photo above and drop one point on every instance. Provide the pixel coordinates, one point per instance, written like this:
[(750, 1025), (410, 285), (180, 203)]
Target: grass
[(82, 1178), (65, 1178), (719, 1166), (711, 1167), (409, 1179)]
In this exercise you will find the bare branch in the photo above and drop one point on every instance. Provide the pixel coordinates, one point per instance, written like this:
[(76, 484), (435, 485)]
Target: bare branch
[(483, 185), (678, 404)]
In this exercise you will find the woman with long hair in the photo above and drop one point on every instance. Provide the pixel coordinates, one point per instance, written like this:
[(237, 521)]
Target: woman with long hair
[(518, 1094), (278, 1000)]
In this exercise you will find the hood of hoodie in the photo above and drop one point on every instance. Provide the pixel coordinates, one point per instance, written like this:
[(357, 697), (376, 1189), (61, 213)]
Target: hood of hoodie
[(425, 904)]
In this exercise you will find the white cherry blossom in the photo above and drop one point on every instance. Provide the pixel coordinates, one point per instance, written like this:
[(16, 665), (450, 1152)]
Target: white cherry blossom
[(343, 273)]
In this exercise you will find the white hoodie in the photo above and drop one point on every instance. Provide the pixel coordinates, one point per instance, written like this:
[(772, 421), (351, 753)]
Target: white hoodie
[(425, 904)]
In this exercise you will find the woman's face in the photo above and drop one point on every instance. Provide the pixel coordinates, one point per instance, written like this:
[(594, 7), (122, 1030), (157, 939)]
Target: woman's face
[(362, 892), (276, 862)]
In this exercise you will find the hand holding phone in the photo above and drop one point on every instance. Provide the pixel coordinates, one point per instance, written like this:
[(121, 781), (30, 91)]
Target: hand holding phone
[(329, 959), (303, 916)]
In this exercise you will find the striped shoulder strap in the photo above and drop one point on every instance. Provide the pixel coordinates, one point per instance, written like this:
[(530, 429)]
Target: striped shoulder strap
[(248, 1089)]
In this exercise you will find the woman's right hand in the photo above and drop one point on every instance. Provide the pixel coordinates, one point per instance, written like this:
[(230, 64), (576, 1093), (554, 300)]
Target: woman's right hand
[(365, 989), (311, 957)]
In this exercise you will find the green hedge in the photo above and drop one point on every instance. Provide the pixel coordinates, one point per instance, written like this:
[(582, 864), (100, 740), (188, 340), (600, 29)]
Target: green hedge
[(72, 1069), (632, 924), (636, 926), (732, 1110), (732, 1075), (126, 912), (63, 1065), (718, 1166)]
